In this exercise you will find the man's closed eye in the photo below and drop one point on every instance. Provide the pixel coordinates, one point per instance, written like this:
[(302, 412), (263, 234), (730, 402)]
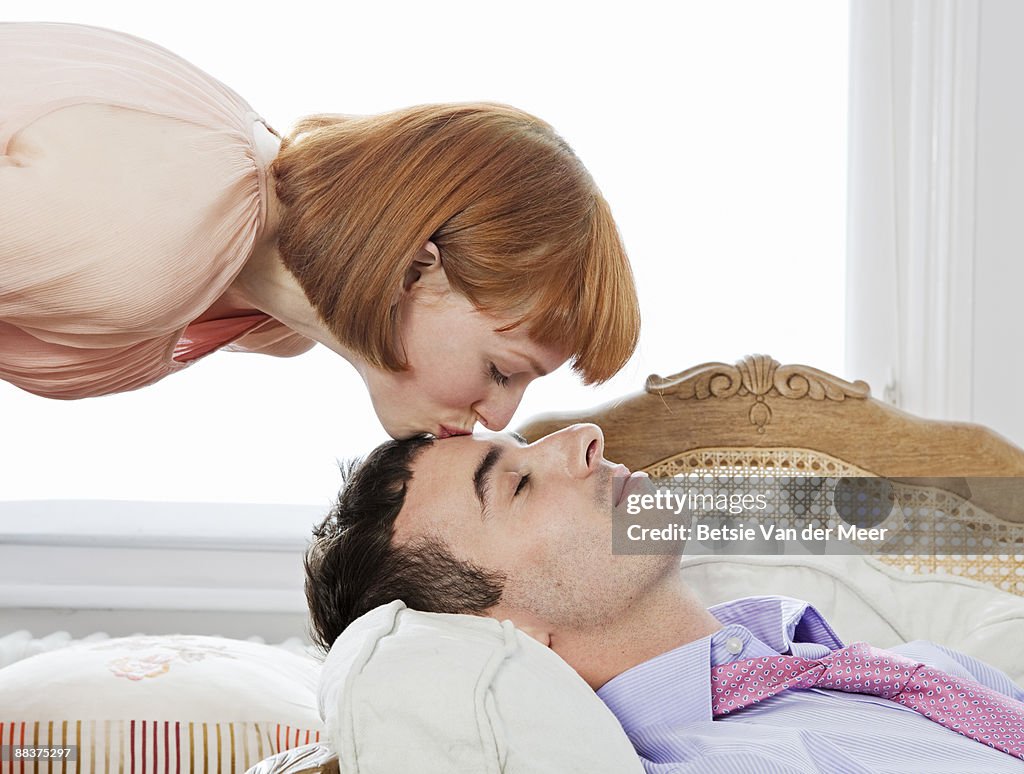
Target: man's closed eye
[(522, 484)]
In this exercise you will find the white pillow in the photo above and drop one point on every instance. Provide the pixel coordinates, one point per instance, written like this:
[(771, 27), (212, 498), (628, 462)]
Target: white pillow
[(308, 759), (177, 703), (865, 599), (405, 691)]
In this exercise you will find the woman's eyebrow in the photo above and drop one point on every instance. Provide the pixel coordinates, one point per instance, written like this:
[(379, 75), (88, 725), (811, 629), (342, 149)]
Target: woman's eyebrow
[(533, 363)]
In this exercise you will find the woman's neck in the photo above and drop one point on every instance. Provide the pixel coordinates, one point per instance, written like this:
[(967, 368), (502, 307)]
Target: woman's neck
[(265, 284)]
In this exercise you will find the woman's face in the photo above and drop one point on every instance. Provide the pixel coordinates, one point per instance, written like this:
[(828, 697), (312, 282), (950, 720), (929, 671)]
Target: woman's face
[(461, 370)]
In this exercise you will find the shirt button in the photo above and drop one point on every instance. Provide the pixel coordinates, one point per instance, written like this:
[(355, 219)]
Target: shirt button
[(734, 645)]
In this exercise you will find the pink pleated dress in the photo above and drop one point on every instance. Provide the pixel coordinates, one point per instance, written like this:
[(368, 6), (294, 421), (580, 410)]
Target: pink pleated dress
[(132, 191)]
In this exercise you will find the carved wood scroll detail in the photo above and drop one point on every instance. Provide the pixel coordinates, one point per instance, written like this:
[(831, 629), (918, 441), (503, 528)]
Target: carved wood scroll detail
[(759, 375)]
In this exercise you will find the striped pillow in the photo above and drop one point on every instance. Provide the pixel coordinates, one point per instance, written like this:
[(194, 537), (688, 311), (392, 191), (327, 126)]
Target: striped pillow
[(158, 705)]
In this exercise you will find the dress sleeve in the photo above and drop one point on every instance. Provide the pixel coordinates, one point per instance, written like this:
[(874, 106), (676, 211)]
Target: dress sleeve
[(131, 194), (272, 338), (119, 226)]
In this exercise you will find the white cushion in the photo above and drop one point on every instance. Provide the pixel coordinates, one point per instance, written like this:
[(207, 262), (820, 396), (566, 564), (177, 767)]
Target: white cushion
[(865, 599), (187, 703), (298, 760), (407, 691)]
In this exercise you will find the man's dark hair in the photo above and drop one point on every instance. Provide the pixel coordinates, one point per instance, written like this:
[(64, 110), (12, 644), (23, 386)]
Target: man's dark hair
[(353, 565)]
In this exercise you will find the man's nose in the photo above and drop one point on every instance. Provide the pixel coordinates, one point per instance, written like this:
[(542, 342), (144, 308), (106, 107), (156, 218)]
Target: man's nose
[(579, 447)]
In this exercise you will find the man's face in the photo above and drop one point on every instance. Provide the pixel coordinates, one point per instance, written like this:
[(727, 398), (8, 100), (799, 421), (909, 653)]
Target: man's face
[(541, 514)]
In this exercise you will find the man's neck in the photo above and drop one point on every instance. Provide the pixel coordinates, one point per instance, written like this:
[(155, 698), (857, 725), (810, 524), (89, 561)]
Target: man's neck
[(668, 617)]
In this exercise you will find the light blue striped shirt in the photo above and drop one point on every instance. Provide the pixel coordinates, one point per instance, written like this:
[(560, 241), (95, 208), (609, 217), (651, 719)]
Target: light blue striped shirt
[(665, 707)]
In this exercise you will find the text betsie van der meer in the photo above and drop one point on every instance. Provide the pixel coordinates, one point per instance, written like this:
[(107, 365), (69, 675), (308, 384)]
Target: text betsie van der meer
[(667, 502)]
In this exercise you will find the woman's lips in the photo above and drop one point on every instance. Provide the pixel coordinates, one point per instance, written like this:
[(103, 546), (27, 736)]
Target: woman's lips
[(447, 432)]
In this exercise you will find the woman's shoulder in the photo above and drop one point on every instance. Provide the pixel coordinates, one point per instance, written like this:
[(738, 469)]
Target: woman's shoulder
[(112, 146), (47, 66)]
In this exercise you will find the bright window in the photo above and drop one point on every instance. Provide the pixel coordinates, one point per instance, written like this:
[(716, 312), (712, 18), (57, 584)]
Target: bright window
[(717, 131)]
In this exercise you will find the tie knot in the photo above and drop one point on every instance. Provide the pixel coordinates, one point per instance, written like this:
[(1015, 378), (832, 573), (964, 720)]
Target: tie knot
[(859, 668)]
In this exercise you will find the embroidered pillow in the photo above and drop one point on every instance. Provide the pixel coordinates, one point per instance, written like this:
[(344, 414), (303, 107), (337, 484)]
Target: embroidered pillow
[(156, 705)]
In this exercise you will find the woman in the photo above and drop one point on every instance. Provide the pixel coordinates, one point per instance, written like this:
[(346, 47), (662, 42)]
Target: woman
[(148, 217)]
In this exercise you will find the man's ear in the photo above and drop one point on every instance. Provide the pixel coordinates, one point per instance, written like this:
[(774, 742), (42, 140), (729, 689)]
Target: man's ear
[(425, 268)]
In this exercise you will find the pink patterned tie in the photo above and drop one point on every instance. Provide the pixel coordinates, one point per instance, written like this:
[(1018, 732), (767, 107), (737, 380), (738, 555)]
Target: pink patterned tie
[(967, 707)]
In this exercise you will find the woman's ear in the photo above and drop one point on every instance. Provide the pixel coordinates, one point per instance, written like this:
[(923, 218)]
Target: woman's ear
[(425, 268)]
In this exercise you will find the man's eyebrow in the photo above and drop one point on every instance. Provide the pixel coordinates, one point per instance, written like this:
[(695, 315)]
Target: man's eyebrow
[(482, 474)]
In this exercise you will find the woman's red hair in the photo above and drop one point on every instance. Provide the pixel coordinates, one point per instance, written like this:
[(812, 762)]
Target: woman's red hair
[(522, 229)]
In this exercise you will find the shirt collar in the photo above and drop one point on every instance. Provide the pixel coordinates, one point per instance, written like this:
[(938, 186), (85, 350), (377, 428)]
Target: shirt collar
[(675, 687), (778, 622)]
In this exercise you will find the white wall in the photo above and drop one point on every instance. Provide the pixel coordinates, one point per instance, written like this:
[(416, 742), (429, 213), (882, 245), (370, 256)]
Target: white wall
[(154, 568)]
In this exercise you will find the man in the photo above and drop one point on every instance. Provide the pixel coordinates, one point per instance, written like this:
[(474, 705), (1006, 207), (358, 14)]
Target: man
[(491, 526)]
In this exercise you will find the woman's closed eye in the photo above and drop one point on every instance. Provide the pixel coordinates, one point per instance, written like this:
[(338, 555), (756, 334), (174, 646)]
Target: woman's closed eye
[(497, 376)]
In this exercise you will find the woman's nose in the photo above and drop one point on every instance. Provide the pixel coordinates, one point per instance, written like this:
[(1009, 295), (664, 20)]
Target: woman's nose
[(496, 410)]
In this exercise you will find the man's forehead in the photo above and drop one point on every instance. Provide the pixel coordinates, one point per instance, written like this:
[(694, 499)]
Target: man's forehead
[(446, 458), (443, 477)]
